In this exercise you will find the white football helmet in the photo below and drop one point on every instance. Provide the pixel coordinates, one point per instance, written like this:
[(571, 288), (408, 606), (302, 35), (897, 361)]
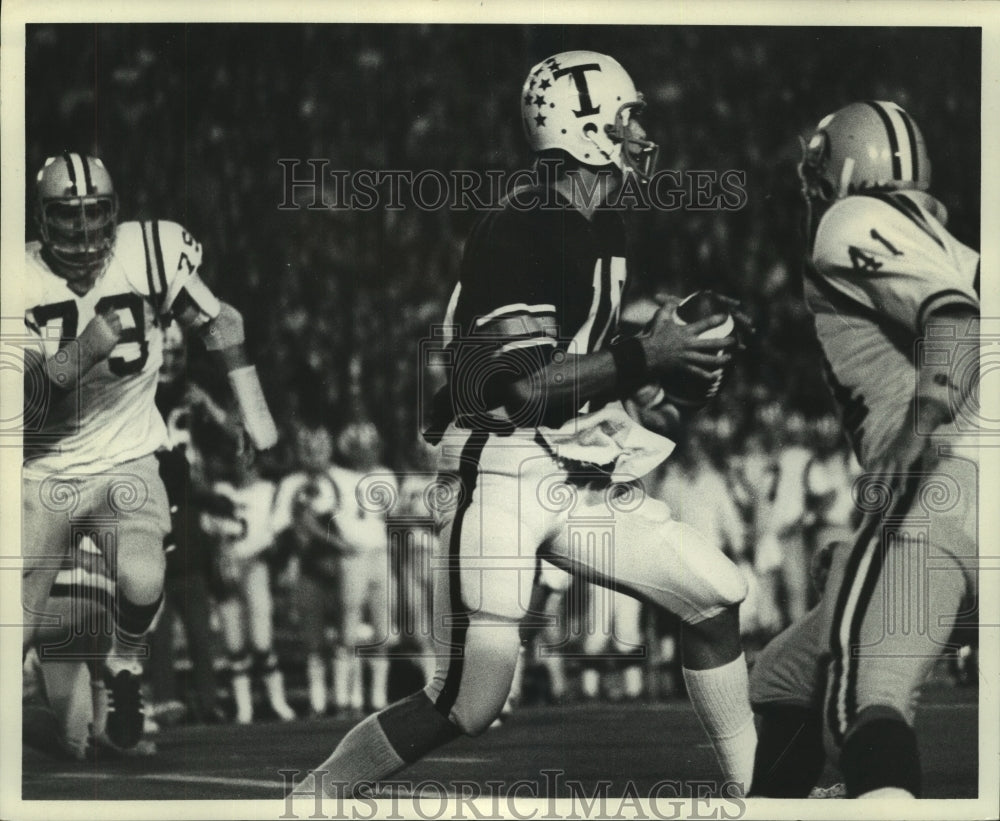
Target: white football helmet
[(865, 146), (76, 209), (583, 103)]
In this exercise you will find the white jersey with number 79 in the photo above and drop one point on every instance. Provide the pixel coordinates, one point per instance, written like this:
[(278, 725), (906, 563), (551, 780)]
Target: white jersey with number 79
[(111, 417)]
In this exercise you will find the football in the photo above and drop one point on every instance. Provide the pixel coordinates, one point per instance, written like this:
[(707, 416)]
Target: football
[(692, 391)]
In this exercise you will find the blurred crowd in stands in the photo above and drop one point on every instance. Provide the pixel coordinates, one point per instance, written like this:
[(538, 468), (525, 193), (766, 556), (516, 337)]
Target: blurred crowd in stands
[(193, 122)]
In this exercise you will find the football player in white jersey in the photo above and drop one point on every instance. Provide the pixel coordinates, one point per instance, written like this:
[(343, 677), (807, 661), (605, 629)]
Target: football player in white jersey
[(896, 305), (544, 449), (366, 490), (95, 294), (240, 523)]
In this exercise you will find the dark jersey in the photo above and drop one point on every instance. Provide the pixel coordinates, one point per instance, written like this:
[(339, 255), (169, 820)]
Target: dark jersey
[(550, 267), (545, 261)]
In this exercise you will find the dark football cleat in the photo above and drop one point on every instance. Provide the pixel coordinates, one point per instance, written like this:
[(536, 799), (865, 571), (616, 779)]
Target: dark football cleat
[(125, 713)]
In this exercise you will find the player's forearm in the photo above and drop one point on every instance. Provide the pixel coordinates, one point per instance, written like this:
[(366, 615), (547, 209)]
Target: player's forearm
[(224, 338), (575, 379), (941, 388), (566, 377)]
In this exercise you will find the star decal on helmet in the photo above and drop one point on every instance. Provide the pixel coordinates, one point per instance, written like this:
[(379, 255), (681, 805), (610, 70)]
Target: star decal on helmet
[(544, 84), (540, 120), (539, 100), (527, 99)]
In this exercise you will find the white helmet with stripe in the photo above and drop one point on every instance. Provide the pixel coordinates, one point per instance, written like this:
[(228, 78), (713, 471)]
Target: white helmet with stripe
[(865, 146), (583, 102), (76, 208)]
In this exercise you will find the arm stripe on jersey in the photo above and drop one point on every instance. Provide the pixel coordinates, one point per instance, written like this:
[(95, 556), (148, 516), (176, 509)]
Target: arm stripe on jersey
[(515, 309), (71, 169), (908, 209), (159, 256), (149, 267), (897, 169), (528, 343), (949, 296), (468, 474)]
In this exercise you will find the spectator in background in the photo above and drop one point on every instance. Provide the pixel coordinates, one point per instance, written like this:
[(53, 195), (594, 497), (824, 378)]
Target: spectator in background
[(753, 479), (613, 632), (788, 515), (415, 521), (366, 492), (186, 408), (303, 508), (240, 525), (829, 478)]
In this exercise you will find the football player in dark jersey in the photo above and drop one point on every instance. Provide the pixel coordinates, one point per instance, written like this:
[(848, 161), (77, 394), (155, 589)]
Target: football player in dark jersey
[(542, 458)]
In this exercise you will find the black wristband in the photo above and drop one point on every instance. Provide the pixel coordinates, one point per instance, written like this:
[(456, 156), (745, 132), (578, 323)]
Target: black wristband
[(630, 362)]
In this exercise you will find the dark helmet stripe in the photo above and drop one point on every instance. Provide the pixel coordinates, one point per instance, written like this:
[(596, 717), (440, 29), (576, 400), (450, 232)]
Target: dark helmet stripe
[(87, 181), (913, 142), (72, 172), (897, 168)]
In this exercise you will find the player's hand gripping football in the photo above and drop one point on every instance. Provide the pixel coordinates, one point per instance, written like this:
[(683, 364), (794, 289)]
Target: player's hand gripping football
[(674, 349)]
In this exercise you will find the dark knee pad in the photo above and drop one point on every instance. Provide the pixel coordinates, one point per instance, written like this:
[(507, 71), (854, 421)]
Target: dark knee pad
[(239, 664), (264, 662), (414, 727), (881, 752), (790, 757), (135, 619)]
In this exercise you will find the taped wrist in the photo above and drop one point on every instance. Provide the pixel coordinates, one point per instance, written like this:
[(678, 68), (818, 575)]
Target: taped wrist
[(630, 364), (225, 330), (253, 407)]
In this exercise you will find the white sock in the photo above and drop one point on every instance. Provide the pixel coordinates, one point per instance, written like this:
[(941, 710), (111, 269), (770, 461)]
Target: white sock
[(340, 671), (316, 676), (380, 681), (633, 681), (242, 698), (720, 697), (364, 755), (67, 685), (274, 683)]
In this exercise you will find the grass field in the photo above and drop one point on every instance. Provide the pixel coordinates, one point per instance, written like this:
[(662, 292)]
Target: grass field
[(586, 743)]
